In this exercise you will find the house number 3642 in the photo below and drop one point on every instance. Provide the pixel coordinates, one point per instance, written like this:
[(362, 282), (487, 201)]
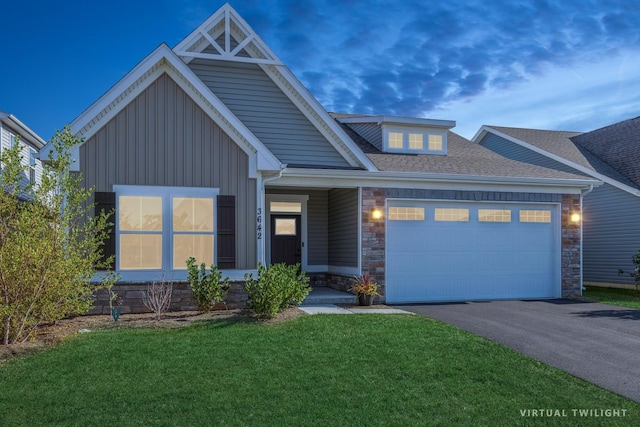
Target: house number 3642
[(259, 223)]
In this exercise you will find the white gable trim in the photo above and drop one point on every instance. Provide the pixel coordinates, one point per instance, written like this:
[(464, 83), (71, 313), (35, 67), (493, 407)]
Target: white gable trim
[(487, 129), (191, 46), (318, 116), (164, 60)]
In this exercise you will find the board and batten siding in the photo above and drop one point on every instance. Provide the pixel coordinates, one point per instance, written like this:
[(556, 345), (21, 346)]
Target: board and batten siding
[(164, 138), (343, 227), (256, 100), (611, 227), (514, 151)]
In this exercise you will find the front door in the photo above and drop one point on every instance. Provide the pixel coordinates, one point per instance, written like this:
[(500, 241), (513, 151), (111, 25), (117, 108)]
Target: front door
[(286, 241)]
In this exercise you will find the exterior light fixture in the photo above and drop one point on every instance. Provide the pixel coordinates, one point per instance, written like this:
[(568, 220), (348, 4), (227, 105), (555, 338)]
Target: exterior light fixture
[(575, 217), (376, 213)]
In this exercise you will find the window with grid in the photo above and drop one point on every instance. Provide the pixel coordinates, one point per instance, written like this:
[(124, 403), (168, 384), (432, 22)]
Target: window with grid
[(542, 216), (398, 213), (452, 214), (494, 215)]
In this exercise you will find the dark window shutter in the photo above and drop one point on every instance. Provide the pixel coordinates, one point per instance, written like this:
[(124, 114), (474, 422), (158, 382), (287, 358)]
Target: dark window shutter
[(106, 202), (226, 232)]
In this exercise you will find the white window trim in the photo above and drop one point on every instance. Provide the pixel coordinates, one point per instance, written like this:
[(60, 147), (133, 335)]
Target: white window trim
[(406, 131), (166, 193)]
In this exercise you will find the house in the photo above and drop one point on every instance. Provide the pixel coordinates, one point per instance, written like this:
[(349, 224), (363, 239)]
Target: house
[(611, 221), (13, 131), (214, 149)]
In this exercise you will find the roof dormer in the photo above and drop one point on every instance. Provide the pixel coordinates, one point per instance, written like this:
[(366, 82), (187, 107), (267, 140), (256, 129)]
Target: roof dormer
[(405, 135)]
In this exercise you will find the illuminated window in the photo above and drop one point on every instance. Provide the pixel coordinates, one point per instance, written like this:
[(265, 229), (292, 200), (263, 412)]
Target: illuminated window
[(158, 228), (494, 215), (416, 141), (452, 214), (396, 140), (435, 142), (285, 227), (285, 207), (535, 216), (406, 214)]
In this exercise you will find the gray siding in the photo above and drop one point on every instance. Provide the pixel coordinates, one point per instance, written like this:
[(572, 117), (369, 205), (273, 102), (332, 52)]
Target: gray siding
[(256, 100), (343, 227), (369, 131), (611, 234), (317, 223), (514, 151), (163, 138)]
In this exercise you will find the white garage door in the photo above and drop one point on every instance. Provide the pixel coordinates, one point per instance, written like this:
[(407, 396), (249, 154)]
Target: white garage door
[(449, 251)]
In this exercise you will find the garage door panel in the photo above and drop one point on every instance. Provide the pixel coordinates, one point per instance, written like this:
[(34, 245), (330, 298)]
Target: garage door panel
[(445, 261)]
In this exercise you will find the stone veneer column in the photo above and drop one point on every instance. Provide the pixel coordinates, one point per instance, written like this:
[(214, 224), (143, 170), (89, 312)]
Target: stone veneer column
[(373, 236), (571, 283)]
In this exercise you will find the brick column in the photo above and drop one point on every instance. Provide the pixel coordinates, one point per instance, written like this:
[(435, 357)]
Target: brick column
[(373, 236), (571, 283)]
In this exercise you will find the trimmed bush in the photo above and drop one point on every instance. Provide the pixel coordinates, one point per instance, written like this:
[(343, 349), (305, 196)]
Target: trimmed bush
[(277, 287), (208, 288)]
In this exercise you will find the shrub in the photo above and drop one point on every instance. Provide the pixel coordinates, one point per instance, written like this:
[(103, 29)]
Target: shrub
[(50, 242), (208, 288), (157, 297), (276, 287)]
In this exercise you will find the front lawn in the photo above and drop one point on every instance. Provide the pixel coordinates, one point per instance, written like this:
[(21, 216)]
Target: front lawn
[(314, 370), (614, 296)]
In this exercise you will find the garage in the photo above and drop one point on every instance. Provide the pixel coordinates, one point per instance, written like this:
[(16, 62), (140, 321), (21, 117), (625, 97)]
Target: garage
[(462, 251)]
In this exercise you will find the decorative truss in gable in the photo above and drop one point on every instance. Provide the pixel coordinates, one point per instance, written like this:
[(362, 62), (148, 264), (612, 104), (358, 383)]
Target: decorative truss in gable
[(226, 36)]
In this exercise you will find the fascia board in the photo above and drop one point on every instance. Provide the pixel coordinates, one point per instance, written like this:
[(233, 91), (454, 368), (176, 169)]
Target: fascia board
[(399, 120), (487, 129), (352, 153), (23, 130), (348, 178)]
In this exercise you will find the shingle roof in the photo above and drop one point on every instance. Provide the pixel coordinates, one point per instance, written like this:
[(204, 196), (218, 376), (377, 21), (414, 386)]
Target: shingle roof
[(618, 145), (463, 158), (563, 144)]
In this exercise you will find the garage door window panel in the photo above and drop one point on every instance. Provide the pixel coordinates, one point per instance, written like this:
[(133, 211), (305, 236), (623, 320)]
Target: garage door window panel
[(494, 215), (397, 213), (536, 216), (452, 215)]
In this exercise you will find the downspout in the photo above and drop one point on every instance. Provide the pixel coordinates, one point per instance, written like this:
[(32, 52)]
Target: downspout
[(582, 194), (261, 214)]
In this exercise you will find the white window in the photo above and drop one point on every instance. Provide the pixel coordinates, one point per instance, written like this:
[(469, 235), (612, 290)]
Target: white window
[(535, 216), (494, 215), (397, 213), (396, 140), (32, 166), (452, 214), (158, 228), (435, 142), (416, 141)]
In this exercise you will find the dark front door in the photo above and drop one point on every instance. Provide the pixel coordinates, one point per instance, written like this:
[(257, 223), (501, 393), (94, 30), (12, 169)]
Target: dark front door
[(285, 239)]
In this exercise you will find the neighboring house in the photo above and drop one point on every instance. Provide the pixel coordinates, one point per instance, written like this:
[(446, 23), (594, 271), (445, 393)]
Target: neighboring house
[(214, 149), (13, 131), (611, 221)]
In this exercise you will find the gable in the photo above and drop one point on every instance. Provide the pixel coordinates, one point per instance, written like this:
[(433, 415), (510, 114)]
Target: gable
[(270, 115), (162, 137), (618, 145)]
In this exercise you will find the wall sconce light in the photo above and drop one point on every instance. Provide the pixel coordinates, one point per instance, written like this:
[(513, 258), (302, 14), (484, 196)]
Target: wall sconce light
[(376, 213), (575, 217)]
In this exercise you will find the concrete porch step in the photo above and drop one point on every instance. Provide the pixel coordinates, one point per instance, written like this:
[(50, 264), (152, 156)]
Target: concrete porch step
[(326, 295)]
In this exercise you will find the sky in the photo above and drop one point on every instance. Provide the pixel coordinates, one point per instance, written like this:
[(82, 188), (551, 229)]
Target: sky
[(559, 65)]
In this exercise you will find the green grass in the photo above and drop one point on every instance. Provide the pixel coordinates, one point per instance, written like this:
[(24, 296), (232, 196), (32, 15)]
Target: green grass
[(364, 370), (614, 296)]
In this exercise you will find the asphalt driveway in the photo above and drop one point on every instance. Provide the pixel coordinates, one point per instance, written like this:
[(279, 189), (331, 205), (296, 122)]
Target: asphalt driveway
[(596, 342)]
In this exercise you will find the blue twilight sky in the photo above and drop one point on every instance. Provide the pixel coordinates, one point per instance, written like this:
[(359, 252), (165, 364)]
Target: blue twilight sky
[(551, 64)]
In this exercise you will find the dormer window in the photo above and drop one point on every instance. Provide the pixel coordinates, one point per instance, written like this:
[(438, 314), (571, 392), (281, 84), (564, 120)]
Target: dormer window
[(414, 140)]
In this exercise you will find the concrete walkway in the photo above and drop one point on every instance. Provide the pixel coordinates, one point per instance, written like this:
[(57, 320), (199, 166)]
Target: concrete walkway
[(334, 309)]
